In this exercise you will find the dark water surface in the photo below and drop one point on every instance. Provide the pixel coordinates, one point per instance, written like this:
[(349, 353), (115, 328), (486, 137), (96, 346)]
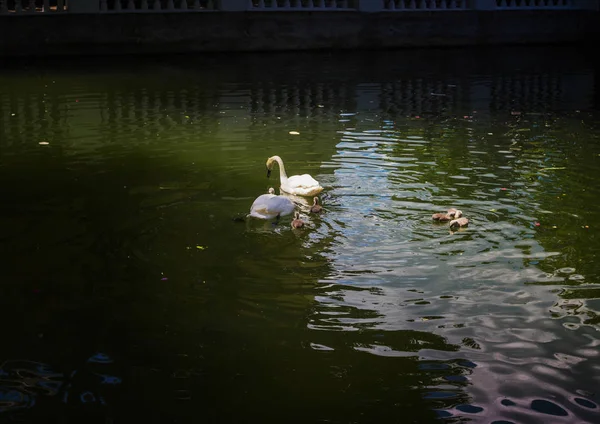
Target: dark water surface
[(130, 294)]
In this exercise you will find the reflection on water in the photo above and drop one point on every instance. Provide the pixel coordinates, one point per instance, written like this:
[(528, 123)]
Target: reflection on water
[(122, 185)]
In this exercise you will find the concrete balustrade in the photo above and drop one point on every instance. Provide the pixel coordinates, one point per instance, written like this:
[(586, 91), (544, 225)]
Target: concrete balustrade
[(15, 7)]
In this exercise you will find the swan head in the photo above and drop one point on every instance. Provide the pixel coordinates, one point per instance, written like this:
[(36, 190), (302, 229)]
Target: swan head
[(271, 190), (269, 166), (315, 201), (457, 214)]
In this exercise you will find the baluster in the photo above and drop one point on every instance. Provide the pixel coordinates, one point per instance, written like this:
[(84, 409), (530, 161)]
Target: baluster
[(117, 7), (196, 5), (421, 4), (103, 6), (46, 6), (130, 5), (170, 5), (31, 6), (261, 4), (211, 5), (60, 6), (183, 5), (286, 4), (18, 7), (144, 5), (156, 5)]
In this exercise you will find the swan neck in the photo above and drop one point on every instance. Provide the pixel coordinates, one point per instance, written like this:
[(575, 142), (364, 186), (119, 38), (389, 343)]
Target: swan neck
[(282, 174)]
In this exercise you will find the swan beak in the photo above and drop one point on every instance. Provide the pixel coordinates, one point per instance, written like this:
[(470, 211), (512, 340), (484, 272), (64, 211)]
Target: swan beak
[(268, 172)]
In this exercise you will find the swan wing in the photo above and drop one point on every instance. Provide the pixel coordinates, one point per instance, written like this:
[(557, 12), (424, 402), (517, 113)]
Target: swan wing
[(280, 205), (302, 181), (302, 185), (269, 206), (260, 206)]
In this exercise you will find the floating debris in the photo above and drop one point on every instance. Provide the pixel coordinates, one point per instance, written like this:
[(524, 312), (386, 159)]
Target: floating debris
[(553, 168)]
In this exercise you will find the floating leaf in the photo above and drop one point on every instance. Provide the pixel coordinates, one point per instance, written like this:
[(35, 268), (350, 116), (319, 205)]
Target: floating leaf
[(201, 247), (294, 133)]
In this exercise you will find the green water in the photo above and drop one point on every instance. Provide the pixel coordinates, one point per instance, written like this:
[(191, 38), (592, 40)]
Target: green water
[(131, 292)]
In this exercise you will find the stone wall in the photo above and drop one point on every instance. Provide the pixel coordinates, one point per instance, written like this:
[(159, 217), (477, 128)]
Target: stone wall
[(138, 33)]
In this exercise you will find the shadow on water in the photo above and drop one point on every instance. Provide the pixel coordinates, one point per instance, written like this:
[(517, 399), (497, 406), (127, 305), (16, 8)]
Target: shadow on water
[(130, 292)]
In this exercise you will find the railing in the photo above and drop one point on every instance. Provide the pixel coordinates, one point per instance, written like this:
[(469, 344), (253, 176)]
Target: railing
[(425, 5), (16, 7), (157, 5), (298, 5), (533, 4)]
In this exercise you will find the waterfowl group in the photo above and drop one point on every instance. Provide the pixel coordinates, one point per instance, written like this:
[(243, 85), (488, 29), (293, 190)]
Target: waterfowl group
[(455, 216), (272, 206)]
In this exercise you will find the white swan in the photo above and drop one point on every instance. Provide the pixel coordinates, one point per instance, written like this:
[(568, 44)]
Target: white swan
[(301, 185), (268, 206)]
